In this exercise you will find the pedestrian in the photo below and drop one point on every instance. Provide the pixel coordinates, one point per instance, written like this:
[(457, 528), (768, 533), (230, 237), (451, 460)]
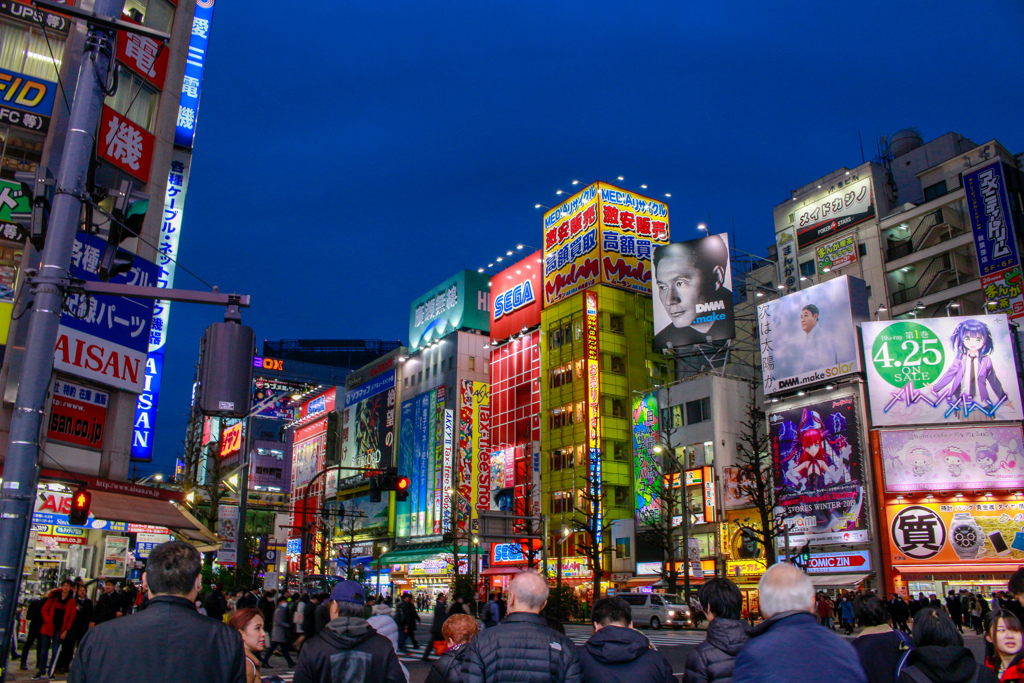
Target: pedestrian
[(167, 642), (108, 605), (846, 614), (522, 647), (824, 610), (955, 611), (713, 660), (58, 620), (407, 618), (348, 649), (939, 654), (789, 645), (458, 606), (216, 604), (247, 600), (458, 631), (1015, 601), (879, 647), (248, 621), (554, 624), (279, 635), (383, 622), (267, 605), (491, 615), (616, 653), (436, 634), (1003, 643), (34, 617), (309, 616), (322, 615), (83, 617), (900, 612)]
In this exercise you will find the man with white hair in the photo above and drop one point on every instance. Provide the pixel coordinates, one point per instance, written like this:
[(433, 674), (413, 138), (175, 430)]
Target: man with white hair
[(790, 645), (522, 648)]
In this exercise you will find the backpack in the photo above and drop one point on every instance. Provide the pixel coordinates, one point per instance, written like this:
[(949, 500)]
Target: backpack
[(400, 616), (918, 676), (906, 647)]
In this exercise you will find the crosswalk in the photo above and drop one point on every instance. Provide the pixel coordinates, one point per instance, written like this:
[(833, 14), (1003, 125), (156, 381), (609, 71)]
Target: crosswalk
[(579, 635)]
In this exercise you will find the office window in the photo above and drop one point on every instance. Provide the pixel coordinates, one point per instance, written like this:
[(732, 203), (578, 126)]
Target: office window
[(934, 191), (134, 92), (862, 249), (698, 411), (580, 408), (561, 501), (420, 377), (562, 458), (709, 453), (155, 14), (555, 339), (618, 365), (807, 268), (622, 548), (621, 495), (472, 364), (616, 323)]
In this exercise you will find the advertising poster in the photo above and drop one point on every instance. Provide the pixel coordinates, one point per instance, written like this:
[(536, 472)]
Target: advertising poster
[(980, 458), (368, 517), (115, 556), (406, 450), (693, 292), (227, 532), (816, 458), (264, 388), (601, 234), (474, 448), (837, 211), (448, 464), (941, 370), (418, 451), (810, 336), (462, 300), (368, 425), (516, 296), (994, 239), (836, 254), (740, 543), (308, 452), (966, 531), (735, 477), (77, 415), (593, 429), (646, 467), (785, 241)]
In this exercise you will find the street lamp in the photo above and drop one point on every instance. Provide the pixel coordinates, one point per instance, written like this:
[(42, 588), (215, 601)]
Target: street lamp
[(950, 305), (879, 311)]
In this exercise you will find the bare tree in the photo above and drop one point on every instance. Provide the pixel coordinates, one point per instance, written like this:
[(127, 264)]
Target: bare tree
[(662, 531), (590, 521), (531, 526), (347, 548)]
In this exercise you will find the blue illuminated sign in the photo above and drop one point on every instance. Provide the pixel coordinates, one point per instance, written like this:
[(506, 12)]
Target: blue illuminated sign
[(188, 106), (519, 296)]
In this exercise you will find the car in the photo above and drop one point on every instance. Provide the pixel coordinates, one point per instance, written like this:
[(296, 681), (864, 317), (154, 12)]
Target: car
[(658, 609)]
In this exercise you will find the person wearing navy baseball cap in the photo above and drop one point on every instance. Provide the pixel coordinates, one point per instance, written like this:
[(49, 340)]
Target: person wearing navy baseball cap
[(348, 648)]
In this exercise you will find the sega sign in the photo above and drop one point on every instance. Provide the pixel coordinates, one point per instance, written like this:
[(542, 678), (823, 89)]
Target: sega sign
[(324, 403), (507, 553), (517, 305), (514, 299)]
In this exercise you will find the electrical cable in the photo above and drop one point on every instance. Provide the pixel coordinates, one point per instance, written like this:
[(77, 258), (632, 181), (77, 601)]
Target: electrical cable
[(53, 59)]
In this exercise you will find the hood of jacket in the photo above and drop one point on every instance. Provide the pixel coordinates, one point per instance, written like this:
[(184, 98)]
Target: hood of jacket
[(617, 645), (944, 664), (728, 635), (791, 619), (347, 632)]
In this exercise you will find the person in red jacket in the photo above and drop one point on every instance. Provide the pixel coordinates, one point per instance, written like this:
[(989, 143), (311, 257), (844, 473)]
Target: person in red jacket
[(58, 618)]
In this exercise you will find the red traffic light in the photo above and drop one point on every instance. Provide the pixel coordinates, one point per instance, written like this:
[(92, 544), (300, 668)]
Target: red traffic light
[(78, 515), (403, 484)]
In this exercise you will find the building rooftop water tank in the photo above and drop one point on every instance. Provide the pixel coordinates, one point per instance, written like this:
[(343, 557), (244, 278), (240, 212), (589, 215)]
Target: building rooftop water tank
[(905, 141)]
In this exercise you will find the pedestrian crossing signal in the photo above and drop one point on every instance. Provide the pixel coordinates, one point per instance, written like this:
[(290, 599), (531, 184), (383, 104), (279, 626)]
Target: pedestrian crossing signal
[(79, 513), (402, 489)]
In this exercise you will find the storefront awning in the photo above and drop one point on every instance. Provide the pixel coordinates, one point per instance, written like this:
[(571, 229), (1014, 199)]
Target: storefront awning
[(837, 580), (116, 507), (413, 555), (965, 568)]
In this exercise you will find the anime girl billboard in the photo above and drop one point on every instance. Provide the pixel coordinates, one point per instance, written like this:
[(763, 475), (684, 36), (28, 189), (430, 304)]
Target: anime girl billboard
[(817, 461), (941, 370)]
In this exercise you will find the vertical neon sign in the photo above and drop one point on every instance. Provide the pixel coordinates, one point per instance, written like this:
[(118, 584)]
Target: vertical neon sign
[(593, 409)]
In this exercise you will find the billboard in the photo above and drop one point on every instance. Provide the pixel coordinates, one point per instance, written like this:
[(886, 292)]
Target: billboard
[(308, 452), (125, 144), (593, 427), (366, 517), (952, 458), (462, 300), (474, 447), (601, 234), (735, 479), (646, 468), (105, 338), (966, 531), (516, 296), (420, 458), (281, 391), (786, 243), (994, 240), (693, 283), (27, 101), (836, 254), (448, 464), (940, 370), (192, 83), (368, 425), (810, 336), (77, 415), (833, 213), (816, 462)]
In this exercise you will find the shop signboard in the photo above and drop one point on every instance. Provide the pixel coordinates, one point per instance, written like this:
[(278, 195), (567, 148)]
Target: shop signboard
[(231, 440), (475, 446), (507, 554), (837, 211), (516, 296), (973, 529), (810, 336), (601, 234), (693, 292), (817, 470), (575, 568), (461, 301), (320, 404), (646, 465), (785, 242), (308, 452), (941, 370), (192, 82), (419, 459), (745, 568), (61, 533), (838, 563), (593, 427), (264, 388), (125, 144), (227, 532), (78, 415), (23, 11), (26, 101), (978, 458), (710, 495), (836, 254), (368, 425), (144, 543), (446, 471), (740, 535), (995, 240), (648, 568), (115, 557), (143, 55), (105, 338)]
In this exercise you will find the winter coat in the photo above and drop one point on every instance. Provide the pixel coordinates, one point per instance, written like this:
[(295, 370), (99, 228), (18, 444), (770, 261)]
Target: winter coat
[(899, 610), (167, 642), (713, 660), (215, 604), (59, 610), (83, 616), (791, 646), (309, 619), (279, 631), (945, 665), (34, 614), (880, 650), (266, 607), (524, 649), (384, 623), (616, 654), (349, 650), (248, 600), (448, 667), (440, 615), (846, 611), (412, 617), (321, 617)]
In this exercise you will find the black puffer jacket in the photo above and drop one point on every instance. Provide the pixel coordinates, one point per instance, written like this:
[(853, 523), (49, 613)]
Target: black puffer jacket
[(448, 667), (946, 665), (713, 660), (522, 649), (348, 649), (621, 655)]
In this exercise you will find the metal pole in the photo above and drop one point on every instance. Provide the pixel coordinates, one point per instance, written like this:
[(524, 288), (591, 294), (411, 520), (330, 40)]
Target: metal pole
[(243, 498), (47, 290), (558, 548)]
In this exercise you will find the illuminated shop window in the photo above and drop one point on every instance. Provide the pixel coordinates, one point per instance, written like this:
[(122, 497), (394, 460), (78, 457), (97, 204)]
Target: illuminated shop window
[(25, 51)]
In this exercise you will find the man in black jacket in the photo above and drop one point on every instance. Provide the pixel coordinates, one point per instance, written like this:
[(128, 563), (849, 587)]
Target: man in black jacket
[(618, 654), (522, 647), (348, 649), (436, 634), (407, 619), (108, 605), (712, 661), (168, 642), (216, 604), (34, 616)]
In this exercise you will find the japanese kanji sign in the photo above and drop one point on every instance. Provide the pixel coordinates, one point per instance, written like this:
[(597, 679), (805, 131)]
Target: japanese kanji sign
[(995, 241), (462, 300), (125, 144), (971, 529), (838, 210), (836, 254), (78, 415), (198, 44), (143, 56), (105, 338), (23, 11)]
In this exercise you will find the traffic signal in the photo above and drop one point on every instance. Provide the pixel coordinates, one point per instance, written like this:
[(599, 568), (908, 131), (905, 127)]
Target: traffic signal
[(38, 187), (79, 513), (375, 490), (402, 489), (803, 557), (127, 223)]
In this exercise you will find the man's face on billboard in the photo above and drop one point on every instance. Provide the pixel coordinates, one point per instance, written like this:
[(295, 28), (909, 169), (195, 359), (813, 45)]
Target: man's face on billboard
[(807, 320), (680, 287)]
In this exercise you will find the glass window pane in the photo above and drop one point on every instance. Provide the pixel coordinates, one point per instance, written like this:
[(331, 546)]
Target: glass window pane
[(13, 41), (38, 62)]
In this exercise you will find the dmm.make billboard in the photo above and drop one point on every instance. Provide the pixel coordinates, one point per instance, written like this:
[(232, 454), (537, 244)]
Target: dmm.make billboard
[(994, 239), (646, 468), (515, 295), (601, 234), (420, 457), (941, 370), (810, 336), (462, 300), (368, 425), (693, 292), (816, 460)]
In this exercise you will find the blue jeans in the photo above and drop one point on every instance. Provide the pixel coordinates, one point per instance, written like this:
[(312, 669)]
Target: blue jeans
[(47, 653)]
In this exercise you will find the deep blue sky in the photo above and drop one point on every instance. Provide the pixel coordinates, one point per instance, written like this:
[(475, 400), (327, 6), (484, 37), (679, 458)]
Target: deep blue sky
[(351, 155)]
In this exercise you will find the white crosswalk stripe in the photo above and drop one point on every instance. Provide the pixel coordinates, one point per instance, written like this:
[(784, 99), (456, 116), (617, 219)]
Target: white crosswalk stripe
[(580, 634)]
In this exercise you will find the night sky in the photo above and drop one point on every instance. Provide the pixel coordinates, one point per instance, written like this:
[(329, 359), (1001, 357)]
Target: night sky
[(349, 156)]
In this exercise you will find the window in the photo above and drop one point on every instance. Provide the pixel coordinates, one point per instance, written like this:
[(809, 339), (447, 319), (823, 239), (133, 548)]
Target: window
[(561, 417), (421, 377), (656, 601), (618, 365), (580, 415), (405, 381), (677, 416), (698, 411), (578, 326), (472, 364), (21, 152), (617, 450), (862, 249), (618, 407), (579, 369), (616, 323), (562, 458), (934, 191), (709, 453), (155, 14), (561, 501), (561, 375), (807, 268), (26, 52), (133, 91), (621, 495), (622, 548), (555, 338), (633, 600), (867, 290)]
